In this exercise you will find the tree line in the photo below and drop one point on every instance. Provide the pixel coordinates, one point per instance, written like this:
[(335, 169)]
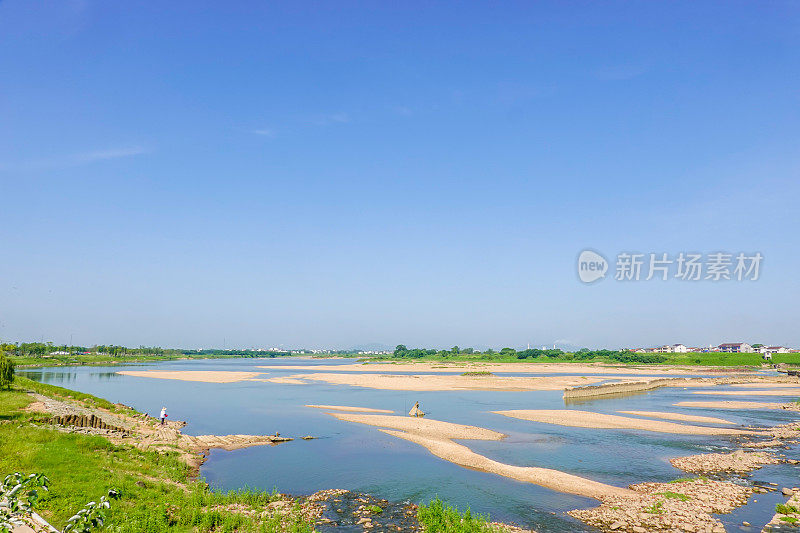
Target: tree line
[(622, 356)]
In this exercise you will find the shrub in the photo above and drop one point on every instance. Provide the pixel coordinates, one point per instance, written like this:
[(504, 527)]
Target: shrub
[(439, 517), (6, 371)]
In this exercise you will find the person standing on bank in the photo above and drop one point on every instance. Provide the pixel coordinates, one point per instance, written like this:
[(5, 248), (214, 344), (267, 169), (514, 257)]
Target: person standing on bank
[(163, 415)]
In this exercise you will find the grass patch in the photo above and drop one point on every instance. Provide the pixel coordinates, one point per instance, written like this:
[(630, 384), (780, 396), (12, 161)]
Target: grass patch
[(675, 495), (155, 492), (656, 508), (782, 508), (439, 517), (789, 519), (478, 373), (375, 509)]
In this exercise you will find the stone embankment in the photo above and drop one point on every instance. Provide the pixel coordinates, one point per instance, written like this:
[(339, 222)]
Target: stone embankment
[(617, 388), (786, 515)]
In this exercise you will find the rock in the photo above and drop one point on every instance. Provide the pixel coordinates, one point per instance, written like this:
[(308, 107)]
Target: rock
[(616, 525), (787, 492), (746, 523), (638, 529)]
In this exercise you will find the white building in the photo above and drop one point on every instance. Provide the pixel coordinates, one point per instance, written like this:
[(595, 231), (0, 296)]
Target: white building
[(679, 348), (736, 347)]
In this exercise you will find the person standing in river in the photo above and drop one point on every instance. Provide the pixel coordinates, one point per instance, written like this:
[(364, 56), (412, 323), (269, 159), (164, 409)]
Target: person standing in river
[(163, 415)]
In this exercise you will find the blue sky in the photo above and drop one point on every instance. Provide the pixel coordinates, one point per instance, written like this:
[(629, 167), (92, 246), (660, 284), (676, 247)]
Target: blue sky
[(327, 175)]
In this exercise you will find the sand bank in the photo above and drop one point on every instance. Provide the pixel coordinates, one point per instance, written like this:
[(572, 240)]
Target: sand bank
[(775, 392), (350, 409), (429, 382), (519, 368), (205, 376), (437, 437), (739, 462), (285, 381), (729, 404), (678, 416), (587, 419)]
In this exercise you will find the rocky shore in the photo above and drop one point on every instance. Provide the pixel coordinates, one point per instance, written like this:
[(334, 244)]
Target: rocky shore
[(739, 461), (684, 506)]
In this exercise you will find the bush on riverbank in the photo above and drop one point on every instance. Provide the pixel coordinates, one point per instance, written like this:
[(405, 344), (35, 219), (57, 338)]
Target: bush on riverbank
[(439, 517), (6, 372)]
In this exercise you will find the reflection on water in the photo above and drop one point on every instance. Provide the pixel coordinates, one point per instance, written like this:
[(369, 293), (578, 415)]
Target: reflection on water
[(363, 459)]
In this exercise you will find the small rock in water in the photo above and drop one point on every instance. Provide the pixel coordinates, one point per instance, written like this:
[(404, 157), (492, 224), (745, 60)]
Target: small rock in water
[(787, 492), (746, 523)]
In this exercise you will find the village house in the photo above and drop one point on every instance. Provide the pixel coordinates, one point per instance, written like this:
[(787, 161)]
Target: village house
[(736, 347)]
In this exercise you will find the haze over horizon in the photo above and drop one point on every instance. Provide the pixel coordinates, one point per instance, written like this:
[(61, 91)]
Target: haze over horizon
[(323, 176)]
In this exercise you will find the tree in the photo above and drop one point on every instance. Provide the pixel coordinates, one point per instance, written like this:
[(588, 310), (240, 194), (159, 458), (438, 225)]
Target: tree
[(6, 371), (508, 352), (455, 350), (400, 350)]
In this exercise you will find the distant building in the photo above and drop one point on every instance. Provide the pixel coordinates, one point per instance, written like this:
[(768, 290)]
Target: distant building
[(679, 348), (735, 347)]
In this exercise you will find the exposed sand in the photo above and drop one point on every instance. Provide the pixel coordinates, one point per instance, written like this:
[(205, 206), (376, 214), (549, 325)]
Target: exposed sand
[(286, 381), (437, 437), (350, 409), (587, 419), (522, 368), (779, 392), (205, 376), (729, 404), (767, 384), (678, 416), (428, 382)]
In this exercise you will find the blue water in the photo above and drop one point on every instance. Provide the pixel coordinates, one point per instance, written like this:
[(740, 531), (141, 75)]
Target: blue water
[(361, 458)]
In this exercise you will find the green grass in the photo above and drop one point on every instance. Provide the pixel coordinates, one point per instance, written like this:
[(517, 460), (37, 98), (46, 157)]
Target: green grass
[(478, 373), (439, 517), (375, 509), (789, 519), (656, 508), (156, 493), (675, 495), (782, 508), (52, 391)]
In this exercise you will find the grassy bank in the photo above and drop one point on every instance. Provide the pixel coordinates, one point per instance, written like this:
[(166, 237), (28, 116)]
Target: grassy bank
[(156, 493)]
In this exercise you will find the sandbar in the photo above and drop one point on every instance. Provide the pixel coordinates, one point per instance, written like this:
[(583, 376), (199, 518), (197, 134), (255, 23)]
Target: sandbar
[(521, 368), (588, 419), (778, 392), (350, 409), (437, 437), (767, 384), (286, 381), (729, 404), (205, 376), (429, 382), (679, 416)]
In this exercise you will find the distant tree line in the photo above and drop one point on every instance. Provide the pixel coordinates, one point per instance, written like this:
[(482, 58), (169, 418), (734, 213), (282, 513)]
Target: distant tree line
[(623, 356), (42, 349)]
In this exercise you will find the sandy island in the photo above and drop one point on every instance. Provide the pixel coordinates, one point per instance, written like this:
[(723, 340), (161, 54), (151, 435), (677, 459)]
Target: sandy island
[(679, 416), (350, 409), (428, 382), (205, 376), (437, 437), (778, 392), (588, 419), (520, 368), (729, 404)]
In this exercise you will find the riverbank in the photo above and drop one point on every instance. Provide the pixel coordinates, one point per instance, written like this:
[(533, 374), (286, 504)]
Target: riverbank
[(154, 469)]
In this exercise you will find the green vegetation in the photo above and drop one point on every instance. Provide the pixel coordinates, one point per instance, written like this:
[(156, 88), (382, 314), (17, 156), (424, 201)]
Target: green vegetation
[(19, 494), (656, 508), (439, 517), (155, 490), (478, 373), (6, 371), (675, 495), (48, 354), (585, 355), (789, 519), (375, 509), (782, 508)]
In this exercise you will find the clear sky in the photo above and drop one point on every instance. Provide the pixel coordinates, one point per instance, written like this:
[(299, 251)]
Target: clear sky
[(333, 174)]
